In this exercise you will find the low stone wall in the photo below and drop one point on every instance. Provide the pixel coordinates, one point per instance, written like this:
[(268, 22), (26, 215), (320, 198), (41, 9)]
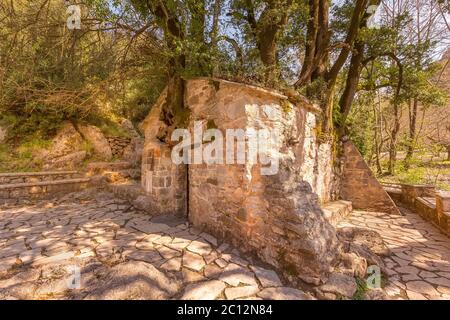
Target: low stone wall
[(32, 177), (432, 205), (360, 186), (20, 192), (118, 145)]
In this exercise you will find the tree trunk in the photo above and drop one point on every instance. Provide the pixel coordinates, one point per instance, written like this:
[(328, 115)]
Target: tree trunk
[(394, 138), (377, 136), (215, 23), (173, 112), (322, 41), (351, 85), (311, 40), (267, 45), (412, 132)]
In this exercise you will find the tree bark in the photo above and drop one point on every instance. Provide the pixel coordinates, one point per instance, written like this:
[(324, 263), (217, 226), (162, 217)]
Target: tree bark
[(266, 30), (393, 141), (173, 112), (351, 85), (412, 132)]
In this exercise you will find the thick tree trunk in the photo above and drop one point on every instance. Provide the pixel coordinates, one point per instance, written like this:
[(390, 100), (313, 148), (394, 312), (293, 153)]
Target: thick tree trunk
[(173, 112), (322, 41), (266, 29), (351, 85), (267, 45), (311, 40), (215, 23)]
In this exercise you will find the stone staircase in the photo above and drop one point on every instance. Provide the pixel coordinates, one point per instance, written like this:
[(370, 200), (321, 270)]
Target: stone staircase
[(123, 179), (20, 187), (26, 186), (114, 172), (336, 211)]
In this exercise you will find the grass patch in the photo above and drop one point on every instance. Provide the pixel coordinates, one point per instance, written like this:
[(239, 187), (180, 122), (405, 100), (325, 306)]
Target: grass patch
[(435, 173), (361, 289), (23, 157)]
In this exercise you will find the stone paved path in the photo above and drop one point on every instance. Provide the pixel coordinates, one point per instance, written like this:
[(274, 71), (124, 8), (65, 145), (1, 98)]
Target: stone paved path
[(419, 264), (121, 253)]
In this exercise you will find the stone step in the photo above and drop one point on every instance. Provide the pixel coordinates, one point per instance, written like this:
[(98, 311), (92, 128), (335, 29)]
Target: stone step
[(100, 167), (14, 193), (122, 175), (10, 186), (133, 193), (336, 211), (34, 177)]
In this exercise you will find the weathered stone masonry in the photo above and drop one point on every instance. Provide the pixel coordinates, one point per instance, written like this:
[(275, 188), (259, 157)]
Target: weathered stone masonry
[(277, 216), (360, 186)]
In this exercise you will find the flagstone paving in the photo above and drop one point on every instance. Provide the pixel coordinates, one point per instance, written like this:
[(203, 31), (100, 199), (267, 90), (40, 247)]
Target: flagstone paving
[(419, 263), (121, 253)]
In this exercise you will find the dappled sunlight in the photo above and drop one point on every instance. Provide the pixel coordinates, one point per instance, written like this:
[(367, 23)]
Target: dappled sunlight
[(122, 253), (418, 266)]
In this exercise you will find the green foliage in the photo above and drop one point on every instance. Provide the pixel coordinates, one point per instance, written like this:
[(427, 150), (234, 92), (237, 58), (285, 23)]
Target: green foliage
[(22, 158), (361, 290)]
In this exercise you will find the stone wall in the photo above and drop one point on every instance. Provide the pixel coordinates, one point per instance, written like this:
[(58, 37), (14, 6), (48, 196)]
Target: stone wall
[(20, 187), (431, 205), (276, 217), (164, 182), (118, 145), (360, 186), (32, 177)]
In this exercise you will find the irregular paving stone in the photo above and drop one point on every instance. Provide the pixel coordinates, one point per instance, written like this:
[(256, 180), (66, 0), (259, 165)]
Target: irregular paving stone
[(283, 293), (133, 281), (173, 264), (21, 285), (238, 260), (221, 263), (212, 271), (53, 288), (211, 257), (267, 278), (163, 240), (421, 287), (234, 275), (207, 290), (193, 261), (408, 270), (444, 290), (410, 277), (146, 256), (150, 227), (212, 240), (168, 253), (191, 276), (240, 292), (427, 274), (340, 284), (439, 281), (145, 245), (200, 247), (178, 245), (412, 295)]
